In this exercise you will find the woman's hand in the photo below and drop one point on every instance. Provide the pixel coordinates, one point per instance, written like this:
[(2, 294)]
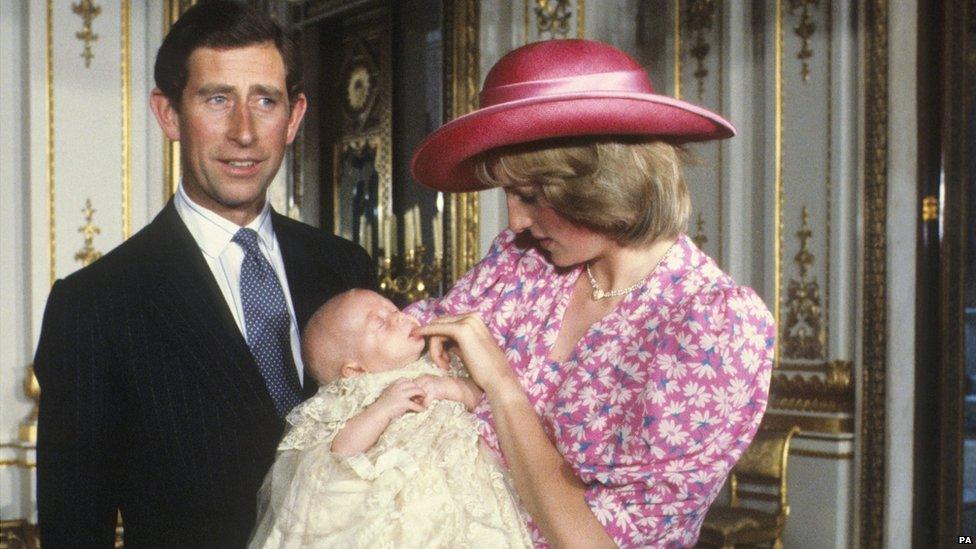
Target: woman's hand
[(468, 337)]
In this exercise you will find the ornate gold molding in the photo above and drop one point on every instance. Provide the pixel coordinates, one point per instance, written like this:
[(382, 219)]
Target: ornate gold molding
[(552, 16), (49, 92), (88, 11), (810, 423), (804, 335), (463, 74), (930, 209), (778, 175), (32, 388), (172, 10), (124, 63), (843, 456), (700, 19), (88, 254), (804, 29), (700, 239), (831, 389), (677, 49), (873, 467)]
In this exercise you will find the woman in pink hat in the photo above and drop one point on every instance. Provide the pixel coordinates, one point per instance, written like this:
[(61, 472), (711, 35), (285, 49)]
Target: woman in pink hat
[(623, 372)]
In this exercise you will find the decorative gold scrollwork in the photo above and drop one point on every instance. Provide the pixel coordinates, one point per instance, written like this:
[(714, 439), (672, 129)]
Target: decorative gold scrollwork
[(701, 18), (805, 30), (88, 254), (88, 11), (416, 278), (32, 388), (829, 390), (804, 335), (930, 208), (553, 16), (700, 239)]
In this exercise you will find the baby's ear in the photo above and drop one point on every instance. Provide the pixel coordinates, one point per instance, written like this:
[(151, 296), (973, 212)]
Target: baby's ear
[(351, 369)]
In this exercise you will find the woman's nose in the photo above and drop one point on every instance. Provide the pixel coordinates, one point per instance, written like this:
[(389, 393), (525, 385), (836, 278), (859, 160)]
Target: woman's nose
[(518, 215)]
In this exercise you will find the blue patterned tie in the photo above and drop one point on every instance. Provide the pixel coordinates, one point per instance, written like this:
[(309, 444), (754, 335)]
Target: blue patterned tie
[(268, 323)]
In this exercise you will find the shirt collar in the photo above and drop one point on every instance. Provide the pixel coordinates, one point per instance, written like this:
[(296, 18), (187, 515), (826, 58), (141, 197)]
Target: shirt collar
[(214, 233)]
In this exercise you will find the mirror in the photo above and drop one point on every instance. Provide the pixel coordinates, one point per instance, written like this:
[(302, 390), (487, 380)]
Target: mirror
[(380, 76)]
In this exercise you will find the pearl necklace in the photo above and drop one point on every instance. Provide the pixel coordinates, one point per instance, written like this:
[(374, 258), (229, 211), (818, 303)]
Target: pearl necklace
[(599, 293)]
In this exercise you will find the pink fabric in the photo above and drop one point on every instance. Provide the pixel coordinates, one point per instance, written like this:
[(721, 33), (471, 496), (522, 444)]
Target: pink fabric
[(659, 398)]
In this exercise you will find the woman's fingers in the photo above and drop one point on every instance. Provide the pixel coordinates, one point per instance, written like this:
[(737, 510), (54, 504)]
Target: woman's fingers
[(437, 347)]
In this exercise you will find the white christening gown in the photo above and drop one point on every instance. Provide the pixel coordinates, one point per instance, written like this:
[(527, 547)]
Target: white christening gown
[(427, 482)]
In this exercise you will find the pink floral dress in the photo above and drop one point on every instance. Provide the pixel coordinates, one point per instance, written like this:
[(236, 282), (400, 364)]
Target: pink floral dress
[(658, 399)]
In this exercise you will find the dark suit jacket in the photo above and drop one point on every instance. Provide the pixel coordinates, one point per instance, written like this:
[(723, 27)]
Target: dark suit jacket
[(150, 400)]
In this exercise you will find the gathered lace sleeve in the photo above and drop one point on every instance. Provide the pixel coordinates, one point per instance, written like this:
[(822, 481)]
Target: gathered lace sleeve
[(320, 418)]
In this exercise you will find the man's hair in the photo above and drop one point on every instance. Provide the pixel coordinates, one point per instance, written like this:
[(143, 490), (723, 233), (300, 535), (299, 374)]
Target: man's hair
[(220, 24), (629, 189)]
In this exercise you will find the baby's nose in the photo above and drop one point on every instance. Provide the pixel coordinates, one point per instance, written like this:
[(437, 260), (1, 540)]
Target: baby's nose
[(404, 317)]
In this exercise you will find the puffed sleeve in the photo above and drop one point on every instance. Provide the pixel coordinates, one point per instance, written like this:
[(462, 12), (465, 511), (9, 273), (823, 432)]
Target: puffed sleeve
[(480, 288), (663, 454)]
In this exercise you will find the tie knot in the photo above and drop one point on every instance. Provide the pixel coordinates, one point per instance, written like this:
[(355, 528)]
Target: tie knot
[(248, 240)]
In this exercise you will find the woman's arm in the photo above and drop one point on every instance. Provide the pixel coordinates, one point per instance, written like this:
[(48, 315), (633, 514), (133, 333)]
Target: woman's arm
[(363, 430), (547, 486)]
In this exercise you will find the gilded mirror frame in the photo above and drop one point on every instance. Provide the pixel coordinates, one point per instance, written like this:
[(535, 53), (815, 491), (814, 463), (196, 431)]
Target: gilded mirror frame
[(461, 83)]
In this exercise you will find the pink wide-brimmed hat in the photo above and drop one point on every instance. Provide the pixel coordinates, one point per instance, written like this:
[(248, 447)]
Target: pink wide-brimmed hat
[(553, 89)]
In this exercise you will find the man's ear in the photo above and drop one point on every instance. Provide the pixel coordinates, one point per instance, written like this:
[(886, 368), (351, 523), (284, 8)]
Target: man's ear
[(166, 114), (351, 369), (295, 116)]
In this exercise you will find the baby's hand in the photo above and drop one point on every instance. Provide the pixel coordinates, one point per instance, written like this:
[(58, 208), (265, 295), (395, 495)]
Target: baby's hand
[(457, 389), (402, 396), (438, 388)]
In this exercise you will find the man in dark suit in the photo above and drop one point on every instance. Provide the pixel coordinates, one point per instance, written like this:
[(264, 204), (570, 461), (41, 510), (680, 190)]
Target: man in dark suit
[(167, 367)]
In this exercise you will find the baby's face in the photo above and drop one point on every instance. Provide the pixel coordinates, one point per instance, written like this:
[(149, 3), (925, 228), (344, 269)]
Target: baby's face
[(382, 332)]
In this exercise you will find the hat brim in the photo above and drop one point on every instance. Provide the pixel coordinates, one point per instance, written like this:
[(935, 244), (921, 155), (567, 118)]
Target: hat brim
[(443, 161)]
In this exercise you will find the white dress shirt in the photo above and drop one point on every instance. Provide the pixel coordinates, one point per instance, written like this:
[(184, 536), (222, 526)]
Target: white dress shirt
[(214, 235)]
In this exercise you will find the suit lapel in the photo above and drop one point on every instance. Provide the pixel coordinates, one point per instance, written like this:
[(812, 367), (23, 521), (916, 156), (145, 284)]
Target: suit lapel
[(310, 280), (185, 282)]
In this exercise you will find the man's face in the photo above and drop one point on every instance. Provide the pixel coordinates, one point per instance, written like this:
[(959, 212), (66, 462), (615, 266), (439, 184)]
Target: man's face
[(233, 125), (382, 332)]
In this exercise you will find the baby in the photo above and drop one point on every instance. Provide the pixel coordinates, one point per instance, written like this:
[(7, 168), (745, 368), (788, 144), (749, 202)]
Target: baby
[(386, 454)]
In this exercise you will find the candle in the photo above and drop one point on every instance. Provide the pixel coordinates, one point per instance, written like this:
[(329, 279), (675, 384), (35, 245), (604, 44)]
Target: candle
[(439, 228), (408, 236), (419, 234), (393, 235)]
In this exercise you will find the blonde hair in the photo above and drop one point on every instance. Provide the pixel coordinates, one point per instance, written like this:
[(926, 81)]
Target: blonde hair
[(630, 190)]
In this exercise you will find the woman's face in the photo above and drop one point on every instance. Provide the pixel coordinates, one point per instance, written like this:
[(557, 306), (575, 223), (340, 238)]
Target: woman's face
[(567, 242)]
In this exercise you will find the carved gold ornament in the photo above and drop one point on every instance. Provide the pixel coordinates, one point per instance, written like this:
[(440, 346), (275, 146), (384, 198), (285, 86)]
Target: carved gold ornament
[(700, 239), (415, 280), (804, 335), (358, 88), (930, 208), (804, 29), (553, 16), (88, 254), (700, 19), (831, 389), (32, 388), (88, 11)]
